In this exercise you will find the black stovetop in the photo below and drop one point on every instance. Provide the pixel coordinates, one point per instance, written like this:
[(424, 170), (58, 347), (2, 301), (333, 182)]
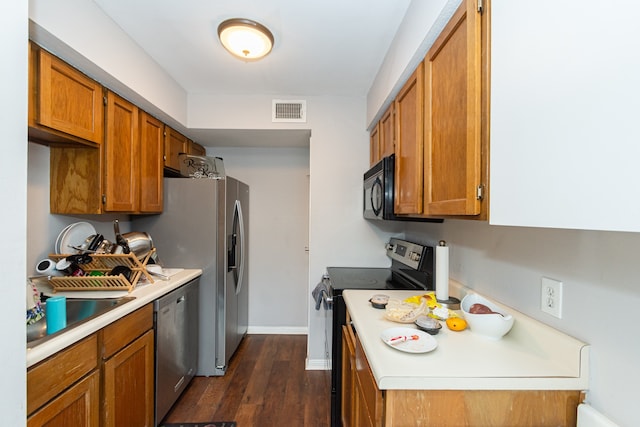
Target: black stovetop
[(377, 278)]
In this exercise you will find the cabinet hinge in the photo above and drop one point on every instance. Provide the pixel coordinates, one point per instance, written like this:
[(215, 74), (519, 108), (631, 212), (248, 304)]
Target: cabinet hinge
[(104, 100), (480, 6), (480, 192), (104, 199)]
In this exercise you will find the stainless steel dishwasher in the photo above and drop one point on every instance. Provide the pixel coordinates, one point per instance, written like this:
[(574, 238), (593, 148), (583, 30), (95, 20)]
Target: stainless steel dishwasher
[(176, 333)]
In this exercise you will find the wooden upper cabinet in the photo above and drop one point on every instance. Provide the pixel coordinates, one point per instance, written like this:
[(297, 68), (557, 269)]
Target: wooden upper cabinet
[(382, 137), (195, 149), (151, 163), (174, 144), (374, 145), (64, 104), (452, 124), (121, 156), (409, 155), (387, 134)]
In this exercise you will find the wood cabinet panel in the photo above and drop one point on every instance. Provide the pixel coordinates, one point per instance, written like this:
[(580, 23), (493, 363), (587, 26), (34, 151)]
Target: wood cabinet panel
[(151, 164), (75, 180), (514, 408), (195, 149), (374, 145), (174, 144), (53, 375), (129, 385), (63, 100), (78, 406), (452, 124), (387, 132), (371, 397), (121, 156), (348, 403), (120, 333), (409, 148)]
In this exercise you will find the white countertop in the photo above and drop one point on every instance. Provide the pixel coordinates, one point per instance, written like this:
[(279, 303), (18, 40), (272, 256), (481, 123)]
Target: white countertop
[(143, 293), (532, 356)]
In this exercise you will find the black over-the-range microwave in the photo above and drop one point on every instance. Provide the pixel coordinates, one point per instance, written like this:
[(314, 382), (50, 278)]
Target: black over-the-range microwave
[(379, 193)]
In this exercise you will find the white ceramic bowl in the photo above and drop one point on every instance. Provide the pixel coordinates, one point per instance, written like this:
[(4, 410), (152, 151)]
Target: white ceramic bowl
[(493, 325)]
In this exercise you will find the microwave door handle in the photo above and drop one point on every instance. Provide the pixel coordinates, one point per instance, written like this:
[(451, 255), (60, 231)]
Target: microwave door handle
[(376, 196)]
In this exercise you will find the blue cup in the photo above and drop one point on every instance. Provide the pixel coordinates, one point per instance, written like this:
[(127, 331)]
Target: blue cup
[(56, 314)]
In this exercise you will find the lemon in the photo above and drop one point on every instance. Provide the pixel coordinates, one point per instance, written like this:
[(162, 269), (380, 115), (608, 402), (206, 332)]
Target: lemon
[(456, 323)]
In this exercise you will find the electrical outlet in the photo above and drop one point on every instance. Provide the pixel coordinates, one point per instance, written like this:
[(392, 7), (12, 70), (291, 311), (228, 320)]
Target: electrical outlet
[(551, 297)]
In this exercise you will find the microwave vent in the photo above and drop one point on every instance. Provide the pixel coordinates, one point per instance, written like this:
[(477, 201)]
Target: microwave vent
[(289, 111)]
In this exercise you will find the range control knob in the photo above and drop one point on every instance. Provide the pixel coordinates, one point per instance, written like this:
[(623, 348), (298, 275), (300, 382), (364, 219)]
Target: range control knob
[(414, 256), (391, 247)]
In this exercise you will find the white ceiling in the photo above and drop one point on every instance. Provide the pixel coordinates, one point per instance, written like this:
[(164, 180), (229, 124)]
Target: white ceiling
[(322, 47)]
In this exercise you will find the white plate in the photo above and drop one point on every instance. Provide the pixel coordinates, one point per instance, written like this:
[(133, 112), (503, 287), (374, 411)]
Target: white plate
[(423, 344), (75, 235), (56, 247)]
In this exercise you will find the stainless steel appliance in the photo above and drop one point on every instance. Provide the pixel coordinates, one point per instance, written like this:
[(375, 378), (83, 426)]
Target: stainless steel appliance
[(204, 225), (412, 267), (176, 339), (379, 193)]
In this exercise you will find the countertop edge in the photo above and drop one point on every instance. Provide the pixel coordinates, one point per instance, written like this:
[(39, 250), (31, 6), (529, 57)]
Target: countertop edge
[(144, 294), (575, 377)]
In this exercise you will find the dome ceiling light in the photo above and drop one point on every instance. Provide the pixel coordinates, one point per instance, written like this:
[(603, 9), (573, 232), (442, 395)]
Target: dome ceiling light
[(245, 39)]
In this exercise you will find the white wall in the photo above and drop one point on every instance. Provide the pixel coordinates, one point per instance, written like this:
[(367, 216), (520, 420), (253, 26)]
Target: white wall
[(13, 193), (278, 180)]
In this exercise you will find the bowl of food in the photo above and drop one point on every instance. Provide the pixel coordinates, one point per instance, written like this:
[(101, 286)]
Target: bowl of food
[(484, 317)]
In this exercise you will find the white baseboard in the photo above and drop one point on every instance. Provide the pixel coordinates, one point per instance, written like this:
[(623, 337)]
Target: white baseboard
[(278, 330), (318, 364)]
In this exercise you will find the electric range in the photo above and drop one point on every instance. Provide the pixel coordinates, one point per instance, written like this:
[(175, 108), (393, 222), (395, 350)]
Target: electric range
[(412, 267)]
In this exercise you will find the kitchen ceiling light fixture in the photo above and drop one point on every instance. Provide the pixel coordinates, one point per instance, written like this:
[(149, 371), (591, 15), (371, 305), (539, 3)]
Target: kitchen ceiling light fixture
[(245, 38)]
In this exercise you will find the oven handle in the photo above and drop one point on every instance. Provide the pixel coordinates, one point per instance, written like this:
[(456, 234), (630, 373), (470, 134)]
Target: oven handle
[(326, 297)]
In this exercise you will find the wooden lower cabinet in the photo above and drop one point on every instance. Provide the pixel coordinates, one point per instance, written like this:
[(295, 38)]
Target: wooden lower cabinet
[(77, 406), (363, 404), (106, 379), (128, 385)]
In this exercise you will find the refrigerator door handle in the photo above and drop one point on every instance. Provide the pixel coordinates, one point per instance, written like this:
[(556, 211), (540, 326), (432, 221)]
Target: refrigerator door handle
[(238, 213)]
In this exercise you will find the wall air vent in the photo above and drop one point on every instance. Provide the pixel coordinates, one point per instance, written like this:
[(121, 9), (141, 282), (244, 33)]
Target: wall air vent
[(289, 111)]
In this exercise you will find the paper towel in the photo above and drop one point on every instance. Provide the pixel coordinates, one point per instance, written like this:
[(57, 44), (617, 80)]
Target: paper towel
[(442, 271)]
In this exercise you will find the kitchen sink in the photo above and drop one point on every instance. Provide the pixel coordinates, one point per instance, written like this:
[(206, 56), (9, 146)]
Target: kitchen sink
[(79, 311)]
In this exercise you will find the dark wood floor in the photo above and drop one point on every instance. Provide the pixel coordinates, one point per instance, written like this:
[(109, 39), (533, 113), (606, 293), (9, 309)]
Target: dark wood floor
[(265, 385)]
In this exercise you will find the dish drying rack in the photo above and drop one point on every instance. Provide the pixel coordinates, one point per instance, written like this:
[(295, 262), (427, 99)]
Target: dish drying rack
[(103, 263)]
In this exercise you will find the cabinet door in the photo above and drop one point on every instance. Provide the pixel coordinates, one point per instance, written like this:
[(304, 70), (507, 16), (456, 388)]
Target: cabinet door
[(409, 157), (370, 400), (374, 145), (453, 77), (151, 165), (348, 377), (387, 135), (129, 385), (64, 99), (121, 156), (77, 406), (174, 144), (195, 149)]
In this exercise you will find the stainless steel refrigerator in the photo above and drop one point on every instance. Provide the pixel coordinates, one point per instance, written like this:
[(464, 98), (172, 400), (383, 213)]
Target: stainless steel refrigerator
[(204, 225)]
